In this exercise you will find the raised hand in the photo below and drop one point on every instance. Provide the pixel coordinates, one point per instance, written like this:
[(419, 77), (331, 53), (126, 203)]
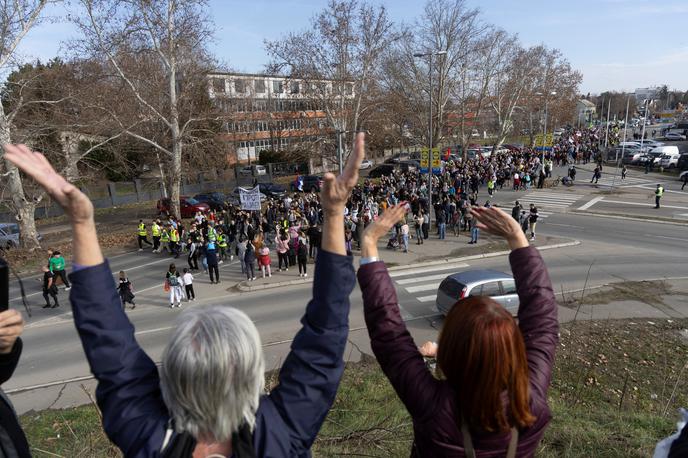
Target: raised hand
[(11, 327), (384, 223), (336, 190), (497, 222), (75, 204), (428, 349)]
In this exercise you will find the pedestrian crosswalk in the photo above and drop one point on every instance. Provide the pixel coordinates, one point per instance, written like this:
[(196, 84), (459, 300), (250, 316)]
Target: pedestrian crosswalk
[(611, 179), (548, 202), (422, 282)]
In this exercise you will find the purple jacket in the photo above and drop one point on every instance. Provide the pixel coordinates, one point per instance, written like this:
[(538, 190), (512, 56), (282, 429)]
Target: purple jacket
[(432, 402)]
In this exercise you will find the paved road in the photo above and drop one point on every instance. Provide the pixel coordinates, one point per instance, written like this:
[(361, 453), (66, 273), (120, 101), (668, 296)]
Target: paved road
[(617, 249)]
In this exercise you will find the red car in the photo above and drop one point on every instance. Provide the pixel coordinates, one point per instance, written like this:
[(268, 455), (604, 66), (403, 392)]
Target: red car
[(188, 206)]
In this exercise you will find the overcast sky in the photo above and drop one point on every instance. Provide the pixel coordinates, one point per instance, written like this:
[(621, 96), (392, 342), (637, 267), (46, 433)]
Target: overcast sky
[(616, 44)]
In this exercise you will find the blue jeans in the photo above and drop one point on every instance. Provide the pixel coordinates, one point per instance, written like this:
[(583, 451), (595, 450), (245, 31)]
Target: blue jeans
[(443, 230), (474, 234), (405, 237)]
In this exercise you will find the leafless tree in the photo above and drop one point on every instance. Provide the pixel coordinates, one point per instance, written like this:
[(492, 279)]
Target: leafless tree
[(337, 59), (154, 52)]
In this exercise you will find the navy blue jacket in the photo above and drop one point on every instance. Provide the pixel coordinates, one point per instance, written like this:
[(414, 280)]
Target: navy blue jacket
[(288, 419)]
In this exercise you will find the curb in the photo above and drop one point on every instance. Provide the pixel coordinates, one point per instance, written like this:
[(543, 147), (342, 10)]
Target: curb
[(244, 287), (629, 218)]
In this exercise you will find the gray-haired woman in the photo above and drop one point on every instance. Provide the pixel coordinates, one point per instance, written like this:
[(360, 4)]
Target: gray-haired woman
[(207, 399)]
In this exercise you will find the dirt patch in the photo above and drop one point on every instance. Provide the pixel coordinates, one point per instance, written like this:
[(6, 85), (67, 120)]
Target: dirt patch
[(647, 292)]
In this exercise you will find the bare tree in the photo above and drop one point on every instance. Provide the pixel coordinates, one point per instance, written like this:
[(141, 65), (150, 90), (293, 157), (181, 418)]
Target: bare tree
[(17, 19), (155, 50), (337, 59)]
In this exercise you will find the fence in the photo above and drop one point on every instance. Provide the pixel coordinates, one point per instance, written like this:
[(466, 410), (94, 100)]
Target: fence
[(125, 193)]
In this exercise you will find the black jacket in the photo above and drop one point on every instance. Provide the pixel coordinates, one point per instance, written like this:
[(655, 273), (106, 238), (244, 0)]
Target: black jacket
[(12, 439)]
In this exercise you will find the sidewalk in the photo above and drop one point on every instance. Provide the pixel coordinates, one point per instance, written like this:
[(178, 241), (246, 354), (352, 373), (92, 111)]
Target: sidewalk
[(431, 251)]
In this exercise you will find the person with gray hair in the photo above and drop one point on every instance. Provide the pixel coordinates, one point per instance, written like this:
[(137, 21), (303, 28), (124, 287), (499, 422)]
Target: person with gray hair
[(207, 398)]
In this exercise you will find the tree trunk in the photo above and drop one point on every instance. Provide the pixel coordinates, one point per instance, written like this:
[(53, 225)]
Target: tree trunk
[(23, 208)]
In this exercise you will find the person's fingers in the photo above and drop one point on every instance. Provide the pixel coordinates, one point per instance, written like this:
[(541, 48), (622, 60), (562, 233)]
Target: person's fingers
[(350, 172), (9, 317), (11, 331)]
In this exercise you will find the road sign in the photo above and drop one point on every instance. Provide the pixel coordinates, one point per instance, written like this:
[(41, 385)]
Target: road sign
[(424, 160), (548, 140)]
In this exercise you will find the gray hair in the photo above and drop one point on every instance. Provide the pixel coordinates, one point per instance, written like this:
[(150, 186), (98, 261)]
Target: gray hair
[(212, 372)]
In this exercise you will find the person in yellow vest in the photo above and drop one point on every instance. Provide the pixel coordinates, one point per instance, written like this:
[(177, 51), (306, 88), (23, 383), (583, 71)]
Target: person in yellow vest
[(222, 244), (174, 240), (156, 231), (164, 240), (212, 233), (143, 235), (659, 192)]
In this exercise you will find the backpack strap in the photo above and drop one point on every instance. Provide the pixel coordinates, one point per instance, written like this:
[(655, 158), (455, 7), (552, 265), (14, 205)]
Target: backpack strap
[(470, 450)]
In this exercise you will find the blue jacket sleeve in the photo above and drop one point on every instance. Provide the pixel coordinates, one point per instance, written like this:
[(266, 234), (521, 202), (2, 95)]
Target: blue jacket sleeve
[(291, 416), (128, 393)]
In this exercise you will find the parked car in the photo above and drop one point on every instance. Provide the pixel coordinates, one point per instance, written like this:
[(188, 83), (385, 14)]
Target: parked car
[(682, 163), (311, 183), (272, 190), (215, 200), (188, 206), (366, 164), (669, 156), (497, 285), (9, 235), (408, 166), (652, 143), (674, 136), (252, 170), (381, 170)]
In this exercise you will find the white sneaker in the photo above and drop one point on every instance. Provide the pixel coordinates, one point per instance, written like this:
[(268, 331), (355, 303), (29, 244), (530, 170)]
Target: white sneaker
[(221, 262), (68, 288), (305, 275), (140, 249), (253, 278), (171, 306), (231, 257)]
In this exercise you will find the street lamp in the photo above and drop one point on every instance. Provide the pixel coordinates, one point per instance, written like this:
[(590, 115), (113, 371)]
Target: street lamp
[(429, 56)]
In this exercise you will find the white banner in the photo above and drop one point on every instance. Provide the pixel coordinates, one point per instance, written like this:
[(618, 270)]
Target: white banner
[(249, 198)]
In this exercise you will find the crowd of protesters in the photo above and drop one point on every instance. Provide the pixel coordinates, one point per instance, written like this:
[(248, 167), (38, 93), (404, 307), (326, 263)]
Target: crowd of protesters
[(208, 396)]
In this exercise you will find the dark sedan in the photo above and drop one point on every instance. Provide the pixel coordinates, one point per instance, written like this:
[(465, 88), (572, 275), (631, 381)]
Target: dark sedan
[(273, 190), (215, 200)]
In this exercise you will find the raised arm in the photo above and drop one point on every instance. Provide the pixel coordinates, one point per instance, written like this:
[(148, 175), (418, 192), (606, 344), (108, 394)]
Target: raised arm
[(310, 375), (391, 342), (128, 393), (537, 313)]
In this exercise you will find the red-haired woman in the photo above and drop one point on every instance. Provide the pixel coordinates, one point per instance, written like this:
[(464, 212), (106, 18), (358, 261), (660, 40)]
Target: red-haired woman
[(492, 397)]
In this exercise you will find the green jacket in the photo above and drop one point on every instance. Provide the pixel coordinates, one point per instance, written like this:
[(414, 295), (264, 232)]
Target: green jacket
[(57, 264)]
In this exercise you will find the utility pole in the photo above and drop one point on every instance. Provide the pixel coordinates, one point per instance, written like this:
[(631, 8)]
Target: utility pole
[(623, 145)]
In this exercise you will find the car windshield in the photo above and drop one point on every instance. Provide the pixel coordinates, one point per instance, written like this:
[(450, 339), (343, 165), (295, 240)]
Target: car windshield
[(192, 201)]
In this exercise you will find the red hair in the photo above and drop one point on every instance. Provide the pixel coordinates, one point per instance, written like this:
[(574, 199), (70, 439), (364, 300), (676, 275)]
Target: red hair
[(482, 355)]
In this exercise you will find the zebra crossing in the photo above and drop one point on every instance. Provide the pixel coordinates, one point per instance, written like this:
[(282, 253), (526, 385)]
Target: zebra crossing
[(609, 180), (549, 202), (422, 282)]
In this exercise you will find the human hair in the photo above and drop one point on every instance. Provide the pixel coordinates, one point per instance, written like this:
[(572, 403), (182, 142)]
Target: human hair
[(122, 274), (212, 372), (172, 268), (481, 353)]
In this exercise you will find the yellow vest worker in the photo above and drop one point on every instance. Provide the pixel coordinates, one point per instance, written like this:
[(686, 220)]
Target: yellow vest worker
[(659, 192), (142, 230), (155, 229)]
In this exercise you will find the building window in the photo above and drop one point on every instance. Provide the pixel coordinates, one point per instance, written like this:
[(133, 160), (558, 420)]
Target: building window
[(260, 86), (294, 87), (219, 85), (277, 87), (239, 86)]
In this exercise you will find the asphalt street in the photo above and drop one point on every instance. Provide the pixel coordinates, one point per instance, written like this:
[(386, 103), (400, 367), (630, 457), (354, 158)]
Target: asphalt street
[(616, 249)]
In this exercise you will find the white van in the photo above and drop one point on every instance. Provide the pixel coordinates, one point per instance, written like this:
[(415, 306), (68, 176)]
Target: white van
[(669, 157)]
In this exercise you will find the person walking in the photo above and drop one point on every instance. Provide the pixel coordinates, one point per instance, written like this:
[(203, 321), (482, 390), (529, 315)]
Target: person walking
[(249, 260), (211, 258), (302, 254), (473, 226), (174, 240), (222, 245), (156, 230), (441, 223), (188, 280), (405, 235), (426, 224), (164, 241), (49, 289), (596, 175), (241, 253), (192, 258), (57, 267), (264, 260), (143, 235), (659, 192), (532, 220), (516, 211), (624, 171), (685, 180), (173, 285), (125, 290), (419, 227), (282, 247)]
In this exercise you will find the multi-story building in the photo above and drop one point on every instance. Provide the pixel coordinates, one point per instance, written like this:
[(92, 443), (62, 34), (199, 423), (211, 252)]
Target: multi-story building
[(270, 112)]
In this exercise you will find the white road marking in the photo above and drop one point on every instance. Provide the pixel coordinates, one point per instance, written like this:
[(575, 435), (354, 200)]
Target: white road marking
[(420, 270), (665, 237), (427, 298), (591, 203), (150, 331), (428, 287), (420, 279), (565, 225), (643, 204)]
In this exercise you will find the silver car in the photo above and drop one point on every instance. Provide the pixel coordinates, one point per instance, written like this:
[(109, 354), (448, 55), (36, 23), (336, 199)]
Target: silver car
[(497, 285)]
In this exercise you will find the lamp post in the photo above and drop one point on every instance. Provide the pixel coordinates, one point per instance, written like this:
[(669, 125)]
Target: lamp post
[(544, 127), (429, 56)]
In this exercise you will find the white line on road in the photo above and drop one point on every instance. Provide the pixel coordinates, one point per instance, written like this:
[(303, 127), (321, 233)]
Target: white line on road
[(427, 298), (420, 279), (665, 237), (149, 331), (565, 225), (642, 204), (428, 287), (438, 268), (591, 203)]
